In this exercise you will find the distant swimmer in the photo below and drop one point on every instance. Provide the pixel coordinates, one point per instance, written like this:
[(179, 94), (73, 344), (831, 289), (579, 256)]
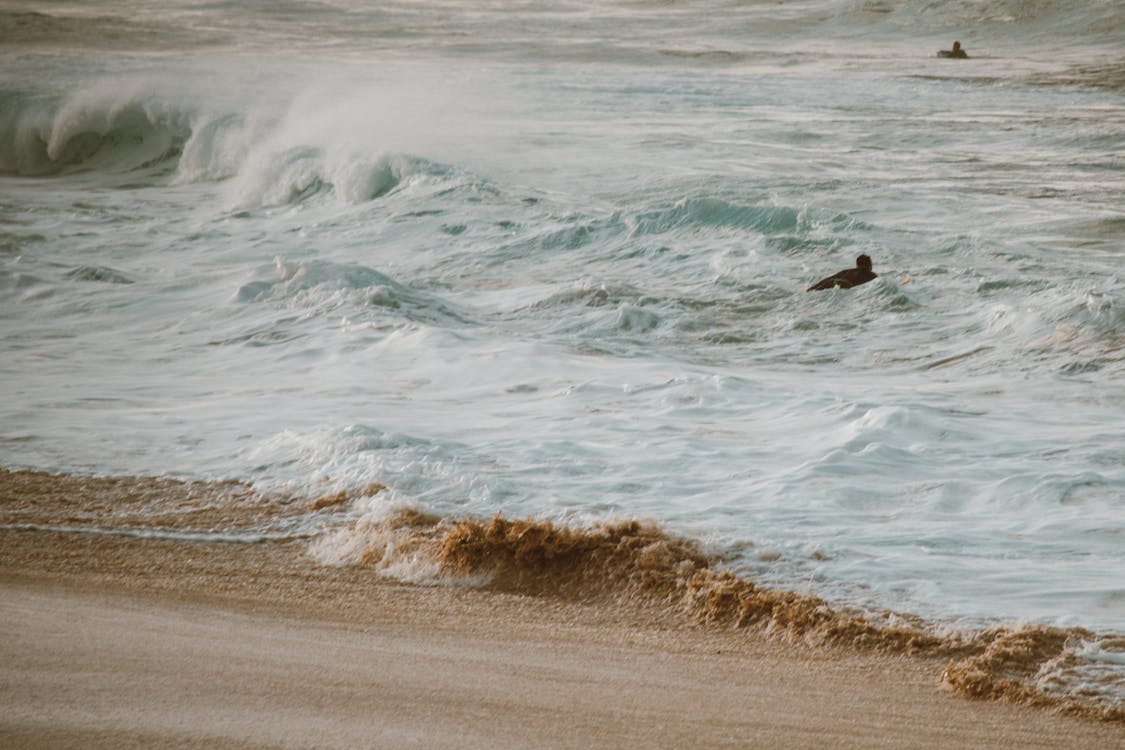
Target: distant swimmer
[(956, 52), (849, 277)]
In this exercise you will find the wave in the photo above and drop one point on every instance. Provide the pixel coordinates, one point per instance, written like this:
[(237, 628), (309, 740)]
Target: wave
[(1103, 75), (634, 563), (102, 274), (627, 563), (88, 131), (180, 135), (617, 313), (121, 126), (295, 174), (322, 287), (716, 213), (1081, 331)]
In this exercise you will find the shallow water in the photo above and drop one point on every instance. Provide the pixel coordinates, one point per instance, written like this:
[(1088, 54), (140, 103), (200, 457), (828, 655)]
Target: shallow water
[(550, 260)]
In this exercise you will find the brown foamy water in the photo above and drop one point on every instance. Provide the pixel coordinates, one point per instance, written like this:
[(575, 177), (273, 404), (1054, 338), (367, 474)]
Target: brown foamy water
[(628, 563), (634, 562)]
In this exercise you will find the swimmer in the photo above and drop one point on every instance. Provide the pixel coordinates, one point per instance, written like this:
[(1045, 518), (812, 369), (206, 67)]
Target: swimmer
[(956, 52), (849, 277)]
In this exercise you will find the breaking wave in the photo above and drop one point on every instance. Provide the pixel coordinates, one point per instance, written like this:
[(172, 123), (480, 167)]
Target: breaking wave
[(638, 564), (627, 563), (88, 131), (180, 136)]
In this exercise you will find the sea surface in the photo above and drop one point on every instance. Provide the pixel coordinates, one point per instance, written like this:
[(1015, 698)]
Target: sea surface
[(549, 259)]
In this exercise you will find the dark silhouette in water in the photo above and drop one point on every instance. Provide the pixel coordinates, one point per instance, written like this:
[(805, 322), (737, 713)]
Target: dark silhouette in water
[(956, 52), (849, 277)]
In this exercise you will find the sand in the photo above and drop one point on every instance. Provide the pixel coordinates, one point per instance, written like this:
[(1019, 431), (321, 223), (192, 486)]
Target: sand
[(112, 640)]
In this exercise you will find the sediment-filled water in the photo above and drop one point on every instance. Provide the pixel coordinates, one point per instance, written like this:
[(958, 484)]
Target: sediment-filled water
[(550, 260)]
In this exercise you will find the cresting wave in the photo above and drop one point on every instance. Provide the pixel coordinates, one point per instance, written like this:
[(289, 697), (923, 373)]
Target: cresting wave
[(158, 133), (637, 564), (626, 563), (42, 135)]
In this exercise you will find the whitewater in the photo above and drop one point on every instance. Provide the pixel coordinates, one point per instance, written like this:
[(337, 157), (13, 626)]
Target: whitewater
[(550, 260)]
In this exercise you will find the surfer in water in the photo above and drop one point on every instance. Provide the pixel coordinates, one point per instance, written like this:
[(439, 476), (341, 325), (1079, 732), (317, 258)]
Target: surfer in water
[(849, 277), (956, 52)]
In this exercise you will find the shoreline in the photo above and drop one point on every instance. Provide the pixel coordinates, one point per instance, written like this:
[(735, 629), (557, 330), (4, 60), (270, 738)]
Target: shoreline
[(119, 640)]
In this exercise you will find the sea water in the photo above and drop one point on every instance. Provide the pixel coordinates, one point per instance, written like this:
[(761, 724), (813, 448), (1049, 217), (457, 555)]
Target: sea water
[(549, 259)]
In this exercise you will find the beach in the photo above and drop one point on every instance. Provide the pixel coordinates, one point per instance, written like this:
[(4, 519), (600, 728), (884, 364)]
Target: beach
[(431, 374), (115, 639)]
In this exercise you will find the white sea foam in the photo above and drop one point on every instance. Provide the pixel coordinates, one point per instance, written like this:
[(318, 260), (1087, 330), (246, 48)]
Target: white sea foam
[(509, 262)]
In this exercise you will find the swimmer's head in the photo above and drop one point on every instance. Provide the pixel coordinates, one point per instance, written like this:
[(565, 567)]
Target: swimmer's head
[(863, 261)]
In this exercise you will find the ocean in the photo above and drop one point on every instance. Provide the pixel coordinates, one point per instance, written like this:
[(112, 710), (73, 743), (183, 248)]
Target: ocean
[(549, 260)]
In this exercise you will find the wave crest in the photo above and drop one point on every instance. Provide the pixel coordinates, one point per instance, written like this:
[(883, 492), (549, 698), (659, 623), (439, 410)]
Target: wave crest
[(295, 174), (187, 135), (715, 213), (89, 130), (631, 562), (318, 287), (536, 557)]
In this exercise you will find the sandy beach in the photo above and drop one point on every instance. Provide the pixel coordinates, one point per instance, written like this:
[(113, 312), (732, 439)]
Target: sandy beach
[(457, 375), (122, 640)]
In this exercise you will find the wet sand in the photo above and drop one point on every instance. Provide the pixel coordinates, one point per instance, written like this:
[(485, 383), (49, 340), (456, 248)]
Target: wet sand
[(125, 641)]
